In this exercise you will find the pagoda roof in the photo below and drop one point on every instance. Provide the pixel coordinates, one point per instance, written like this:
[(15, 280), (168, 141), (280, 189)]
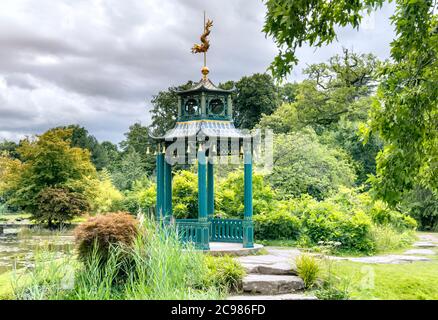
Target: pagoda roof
[(207, 128), (205, 85)]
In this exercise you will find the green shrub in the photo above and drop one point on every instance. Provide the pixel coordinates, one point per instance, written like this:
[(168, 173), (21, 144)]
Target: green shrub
[(325, 221), (224, 272), (383, 215), (276, 225), (308, 269), (57, 206), (387, 238), (98, 234), (230, 195), (141, 198), (422, 204), (185, 193)]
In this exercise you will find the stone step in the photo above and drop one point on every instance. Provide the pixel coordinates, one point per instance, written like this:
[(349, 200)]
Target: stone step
[(271, 284), (287, 296), (425, 244), (268, 264)]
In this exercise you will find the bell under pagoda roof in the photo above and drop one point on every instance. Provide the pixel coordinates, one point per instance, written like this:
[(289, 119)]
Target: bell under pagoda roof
[(204, 128)]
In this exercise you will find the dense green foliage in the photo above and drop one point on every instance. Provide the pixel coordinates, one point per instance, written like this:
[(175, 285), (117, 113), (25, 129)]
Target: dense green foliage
[(302, 165), (277, 225), (405, 112), (285, 24), (47, 162), (82, 139), (255, 96), (350, 219)]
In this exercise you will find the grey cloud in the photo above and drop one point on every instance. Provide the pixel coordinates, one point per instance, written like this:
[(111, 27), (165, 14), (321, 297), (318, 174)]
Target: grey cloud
[(98, 63)]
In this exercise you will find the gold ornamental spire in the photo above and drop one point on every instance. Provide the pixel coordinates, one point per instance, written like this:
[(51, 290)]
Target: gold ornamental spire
[(205, 45)]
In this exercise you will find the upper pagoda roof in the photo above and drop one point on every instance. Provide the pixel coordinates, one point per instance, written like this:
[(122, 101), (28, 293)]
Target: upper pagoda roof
[(204, 85)]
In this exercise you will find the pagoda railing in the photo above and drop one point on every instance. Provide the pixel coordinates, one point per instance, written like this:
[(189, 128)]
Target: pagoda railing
[(226, 230), (186, 229), (221, 230)]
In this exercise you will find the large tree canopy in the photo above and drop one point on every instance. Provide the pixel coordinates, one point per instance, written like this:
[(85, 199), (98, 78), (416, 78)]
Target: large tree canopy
[(255, 95), (406, 110), (405, 113), (48, 161), (313, 22)]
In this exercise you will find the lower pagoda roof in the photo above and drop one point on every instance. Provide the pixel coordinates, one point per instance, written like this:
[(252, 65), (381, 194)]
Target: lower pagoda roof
[(206, 128)]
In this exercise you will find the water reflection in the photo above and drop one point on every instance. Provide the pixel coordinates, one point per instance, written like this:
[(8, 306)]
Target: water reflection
[(18, 250)]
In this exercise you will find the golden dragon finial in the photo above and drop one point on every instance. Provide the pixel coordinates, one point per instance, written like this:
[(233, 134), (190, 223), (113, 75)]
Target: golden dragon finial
[(205, 45)]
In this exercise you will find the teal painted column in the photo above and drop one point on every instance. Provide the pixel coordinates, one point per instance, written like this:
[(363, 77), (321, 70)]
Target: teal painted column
[(248, 226), (203, 232), (210, 190), (167, 191), (160, 185)]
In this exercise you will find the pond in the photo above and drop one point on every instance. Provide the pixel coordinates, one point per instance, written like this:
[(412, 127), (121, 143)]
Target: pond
[(17, 250)]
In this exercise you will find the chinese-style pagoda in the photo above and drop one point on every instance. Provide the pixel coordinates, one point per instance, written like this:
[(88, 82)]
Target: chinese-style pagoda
[(205, 129)]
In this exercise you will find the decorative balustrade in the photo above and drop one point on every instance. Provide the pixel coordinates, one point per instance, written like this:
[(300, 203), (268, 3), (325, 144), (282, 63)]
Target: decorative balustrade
[(186, 229), (226, 230), (221, 230)]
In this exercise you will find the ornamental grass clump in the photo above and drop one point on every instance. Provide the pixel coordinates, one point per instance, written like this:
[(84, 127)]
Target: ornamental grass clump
[(98, 234), (308, 269)]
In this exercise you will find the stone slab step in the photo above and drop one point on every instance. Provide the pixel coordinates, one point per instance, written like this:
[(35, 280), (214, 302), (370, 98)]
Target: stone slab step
[(425, 244), (287, 296), (268, 264), (271, 284), (426, 252)]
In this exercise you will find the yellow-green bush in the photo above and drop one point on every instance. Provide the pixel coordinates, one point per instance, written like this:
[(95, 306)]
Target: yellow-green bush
[(308, 269)]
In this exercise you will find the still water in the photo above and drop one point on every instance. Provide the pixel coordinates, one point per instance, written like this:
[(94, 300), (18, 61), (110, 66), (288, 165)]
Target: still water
[(18, 250)]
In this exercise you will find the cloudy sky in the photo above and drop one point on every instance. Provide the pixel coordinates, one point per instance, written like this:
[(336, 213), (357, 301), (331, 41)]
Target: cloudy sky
[(98, 63)]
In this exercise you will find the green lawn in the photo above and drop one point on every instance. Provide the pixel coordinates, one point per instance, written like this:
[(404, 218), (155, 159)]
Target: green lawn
[(410, 281)]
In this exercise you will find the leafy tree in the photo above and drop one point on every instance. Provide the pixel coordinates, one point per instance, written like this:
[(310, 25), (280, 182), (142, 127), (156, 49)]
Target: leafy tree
[(255, 95), (56, 206), (103, 195), (346, 135), (82, 139), (10, 148), (288, 92), (48, 161), (130, 169), (313, 22), (406, 110), (422, 205), (165, 109), (283, 120), (113, 154), (406, 113), (302, 165), (339, 88), (137, 139)]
